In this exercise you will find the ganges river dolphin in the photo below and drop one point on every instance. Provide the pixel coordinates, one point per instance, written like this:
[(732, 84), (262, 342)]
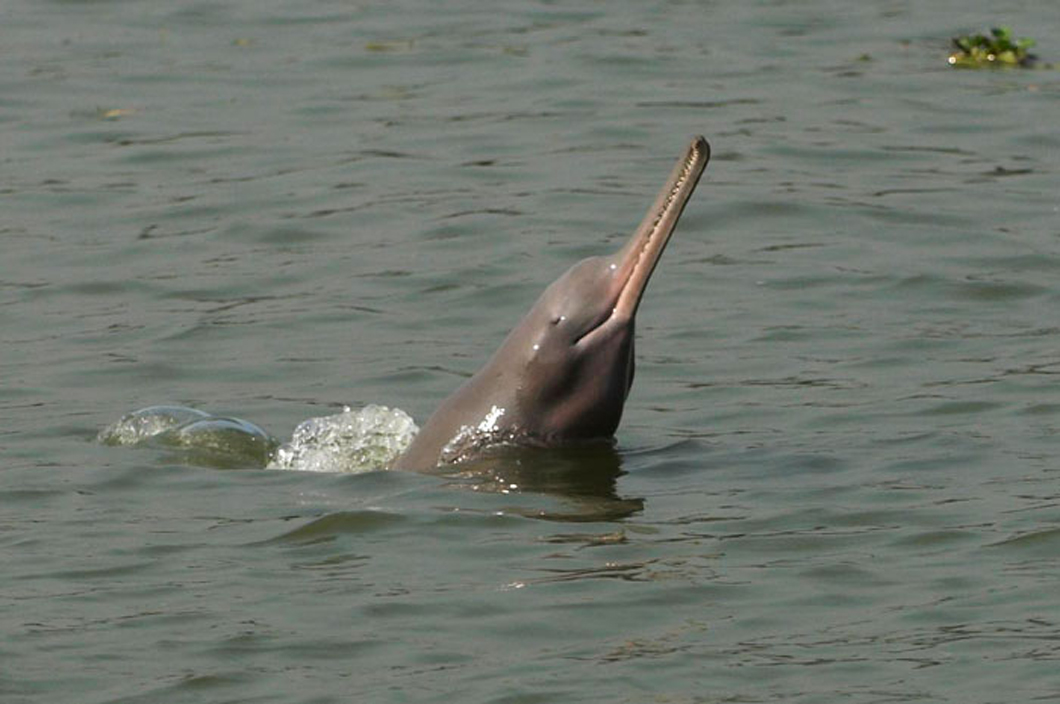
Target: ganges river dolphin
[(563, 374)]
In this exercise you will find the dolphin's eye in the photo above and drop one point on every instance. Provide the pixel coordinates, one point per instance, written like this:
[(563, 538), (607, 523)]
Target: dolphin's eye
[(558, 319)]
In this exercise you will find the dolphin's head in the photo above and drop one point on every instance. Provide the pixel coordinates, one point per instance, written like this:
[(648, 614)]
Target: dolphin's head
[(564, 372), (577, 340), (578, 356)]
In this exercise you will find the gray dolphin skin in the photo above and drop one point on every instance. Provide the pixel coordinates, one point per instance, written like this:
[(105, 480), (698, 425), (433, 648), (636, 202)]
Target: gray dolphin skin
[(563, 373)]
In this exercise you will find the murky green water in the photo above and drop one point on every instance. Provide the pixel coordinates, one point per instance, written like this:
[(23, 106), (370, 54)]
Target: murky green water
[(836, 479)]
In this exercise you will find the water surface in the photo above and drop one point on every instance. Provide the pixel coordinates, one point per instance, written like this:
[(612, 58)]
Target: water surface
[(835, 480)]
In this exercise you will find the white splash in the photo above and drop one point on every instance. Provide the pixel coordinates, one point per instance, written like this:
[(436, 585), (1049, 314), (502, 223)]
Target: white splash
[(469, 438), (350, 442), (489, 423)]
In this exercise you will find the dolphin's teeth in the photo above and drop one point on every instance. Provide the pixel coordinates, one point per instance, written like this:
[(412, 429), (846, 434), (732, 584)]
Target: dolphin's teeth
[(661, 213)]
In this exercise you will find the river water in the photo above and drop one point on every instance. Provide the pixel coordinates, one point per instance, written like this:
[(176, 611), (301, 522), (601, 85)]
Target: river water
[(836, 479)]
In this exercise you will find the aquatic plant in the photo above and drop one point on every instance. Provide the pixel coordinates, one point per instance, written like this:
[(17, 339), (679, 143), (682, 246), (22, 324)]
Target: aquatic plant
[(997, 49)]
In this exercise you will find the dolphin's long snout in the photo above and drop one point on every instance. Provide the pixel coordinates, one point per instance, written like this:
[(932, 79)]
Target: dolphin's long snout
[(637, 259)]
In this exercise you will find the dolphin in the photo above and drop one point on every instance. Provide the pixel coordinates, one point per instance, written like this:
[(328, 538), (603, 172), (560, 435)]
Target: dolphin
[(563, 373)]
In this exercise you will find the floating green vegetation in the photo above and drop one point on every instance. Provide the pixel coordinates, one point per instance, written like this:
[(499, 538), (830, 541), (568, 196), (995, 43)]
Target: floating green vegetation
[(998, 49)]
